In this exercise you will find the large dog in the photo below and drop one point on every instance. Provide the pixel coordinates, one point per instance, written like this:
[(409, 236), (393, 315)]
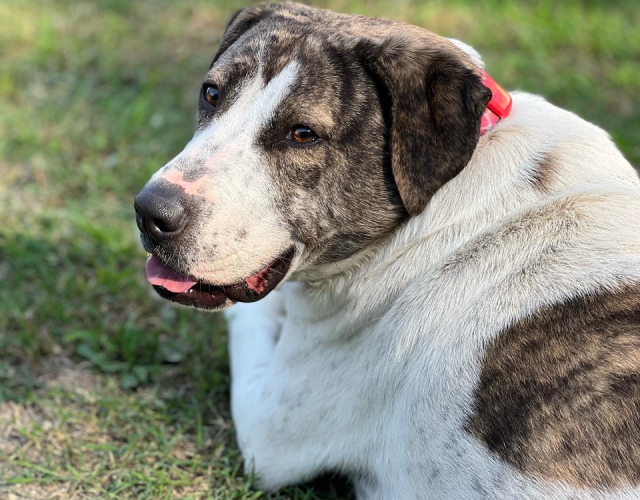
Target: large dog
[(463, 308)]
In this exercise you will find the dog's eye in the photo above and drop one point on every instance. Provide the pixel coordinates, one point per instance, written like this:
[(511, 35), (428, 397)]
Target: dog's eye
[(211, 94), (302, 134)]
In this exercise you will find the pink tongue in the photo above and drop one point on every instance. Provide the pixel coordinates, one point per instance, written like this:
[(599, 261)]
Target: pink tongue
[(159, 274)]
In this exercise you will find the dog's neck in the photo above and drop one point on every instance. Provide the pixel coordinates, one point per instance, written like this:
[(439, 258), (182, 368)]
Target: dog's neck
[(463, 208)]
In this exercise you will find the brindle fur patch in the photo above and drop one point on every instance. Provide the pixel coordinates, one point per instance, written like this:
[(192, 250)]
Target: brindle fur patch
[(544, 173), (559, 393)]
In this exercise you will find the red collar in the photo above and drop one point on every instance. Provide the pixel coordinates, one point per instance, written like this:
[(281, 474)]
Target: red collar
[(499, 107)]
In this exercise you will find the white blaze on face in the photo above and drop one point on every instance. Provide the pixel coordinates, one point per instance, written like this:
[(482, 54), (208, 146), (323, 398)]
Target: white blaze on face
[(235, 191), (253, 107)]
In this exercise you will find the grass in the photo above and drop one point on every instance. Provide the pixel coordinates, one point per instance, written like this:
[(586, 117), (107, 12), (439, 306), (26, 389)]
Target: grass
[(106, 392)]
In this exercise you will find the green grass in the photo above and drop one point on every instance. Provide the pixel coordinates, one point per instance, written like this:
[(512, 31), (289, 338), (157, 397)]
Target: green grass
[(106, 392)]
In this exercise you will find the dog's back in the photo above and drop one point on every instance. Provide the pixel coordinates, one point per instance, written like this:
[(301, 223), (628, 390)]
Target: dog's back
[(522, 320)]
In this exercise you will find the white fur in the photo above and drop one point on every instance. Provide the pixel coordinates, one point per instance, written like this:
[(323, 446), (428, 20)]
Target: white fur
[(371, 369)]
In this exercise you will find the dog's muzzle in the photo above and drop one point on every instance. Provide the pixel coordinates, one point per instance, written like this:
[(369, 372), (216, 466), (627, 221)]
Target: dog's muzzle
[(162, 215)]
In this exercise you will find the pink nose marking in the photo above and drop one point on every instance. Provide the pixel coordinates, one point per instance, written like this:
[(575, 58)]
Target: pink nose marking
[(177, 177)]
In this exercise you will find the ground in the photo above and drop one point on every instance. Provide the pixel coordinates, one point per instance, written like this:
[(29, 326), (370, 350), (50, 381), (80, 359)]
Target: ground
[(105, 391)]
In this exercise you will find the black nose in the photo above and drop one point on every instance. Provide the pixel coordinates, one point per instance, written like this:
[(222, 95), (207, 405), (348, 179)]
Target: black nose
[(159, 212)]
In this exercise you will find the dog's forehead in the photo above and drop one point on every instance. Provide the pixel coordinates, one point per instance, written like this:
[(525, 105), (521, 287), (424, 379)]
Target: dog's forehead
[(269, 49)]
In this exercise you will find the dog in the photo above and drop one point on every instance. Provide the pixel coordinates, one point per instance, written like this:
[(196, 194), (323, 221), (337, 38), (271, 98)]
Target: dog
[(437, 283)]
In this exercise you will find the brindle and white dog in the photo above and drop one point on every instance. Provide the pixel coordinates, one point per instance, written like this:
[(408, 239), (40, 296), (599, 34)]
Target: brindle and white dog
[(463, 321)]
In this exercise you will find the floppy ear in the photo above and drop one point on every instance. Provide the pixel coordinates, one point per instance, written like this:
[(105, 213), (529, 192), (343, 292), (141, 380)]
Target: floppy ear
[(434, 103), (240, 22)]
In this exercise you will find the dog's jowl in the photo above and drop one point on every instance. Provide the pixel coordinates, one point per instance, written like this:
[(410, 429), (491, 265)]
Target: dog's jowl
[(432, 285)]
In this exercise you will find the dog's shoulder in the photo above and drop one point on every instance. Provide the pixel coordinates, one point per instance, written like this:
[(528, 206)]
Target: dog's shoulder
[(559, 391)]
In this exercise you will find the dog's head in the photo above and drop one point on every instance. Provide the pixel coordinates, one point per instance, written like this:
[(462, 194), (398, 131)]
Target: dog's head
[(317, 135)]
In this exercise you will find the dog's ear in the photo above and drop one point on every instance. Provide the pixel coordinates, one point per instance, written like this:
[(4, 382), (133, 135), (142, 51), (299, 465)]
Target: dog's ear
[(433, 103), (240, 22)]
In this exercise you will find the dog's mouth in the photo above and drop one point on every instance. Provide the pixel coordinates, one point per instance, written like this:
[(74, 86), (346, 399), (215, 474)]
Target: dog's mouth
[(172, 285)]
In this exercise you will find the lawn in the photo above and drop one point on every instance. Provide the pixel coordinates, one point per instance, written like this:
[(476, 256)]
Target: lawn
[(105, 391)]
